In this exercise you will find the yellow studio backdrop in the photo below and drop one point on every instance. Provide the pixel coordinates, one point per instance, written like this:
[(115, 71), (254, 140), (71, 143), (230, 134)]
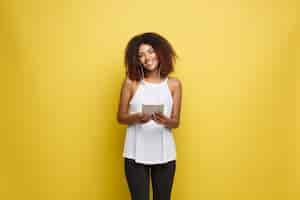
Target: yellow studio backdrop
[(61, 74)]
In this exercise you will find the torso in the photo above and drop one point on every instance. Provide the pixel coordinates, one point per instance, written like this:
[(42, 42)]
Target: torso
[(169, 82), (150, 142)]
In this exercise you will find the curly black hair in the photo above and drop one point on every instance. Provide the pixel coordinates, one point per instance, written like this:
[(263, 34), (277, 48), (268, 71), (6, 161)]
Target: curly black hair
[(162, 47)]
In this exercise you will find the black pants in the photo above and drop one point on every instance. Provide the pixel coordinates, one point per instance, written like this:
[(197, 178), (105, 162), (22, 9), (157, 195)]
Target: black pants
[(162, 176)]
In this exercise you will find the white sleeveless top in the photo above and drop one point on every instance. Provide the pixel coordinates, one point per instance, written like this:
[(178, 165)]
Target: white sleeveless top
[(150, 142)]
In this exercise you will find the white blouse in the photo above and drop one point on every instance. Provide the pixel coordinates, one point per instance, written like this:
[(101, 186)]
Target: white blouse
[(150, 142)]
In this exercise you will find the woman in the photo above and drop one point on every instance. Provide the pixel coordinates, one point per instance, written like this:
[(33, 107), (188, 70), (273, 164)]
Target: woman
[(149, 149)]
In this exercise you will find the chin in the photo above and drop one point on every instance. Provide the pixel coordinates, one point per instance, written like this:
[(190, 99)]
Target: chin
[(153, 68)]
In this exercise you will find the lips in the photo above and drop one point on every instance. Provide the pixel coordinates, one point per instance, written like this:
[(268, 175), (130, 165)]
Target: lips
[(150, 63)]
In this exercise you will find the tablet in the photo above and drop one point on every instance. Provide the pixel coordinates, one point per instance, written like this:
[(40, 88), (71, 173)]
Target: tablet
[(150, 109)]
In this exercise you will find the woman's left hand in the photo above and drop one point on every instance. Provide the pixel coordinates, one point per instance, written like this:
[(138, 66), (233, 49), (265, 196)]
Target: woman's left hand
[(160, 118)]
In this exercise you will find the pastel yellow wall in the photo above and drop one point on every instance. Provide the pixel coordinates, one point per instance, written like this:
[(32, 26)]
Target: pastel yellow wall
[(61, 71)]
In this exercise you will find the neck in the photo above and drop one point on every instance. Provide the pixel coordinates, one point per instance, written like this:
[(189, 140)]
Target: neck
[(153, 75)]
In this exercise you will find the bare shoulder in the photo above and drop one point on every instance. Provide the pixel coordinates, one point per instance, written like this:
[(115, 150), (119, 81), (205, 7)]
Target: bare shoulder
[(129, 85), (174, 83)]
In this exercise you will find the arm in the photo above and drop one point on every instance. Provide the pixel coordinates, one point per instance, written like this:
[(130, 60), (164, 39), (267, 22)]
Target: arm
[(126, 92), (123, 117)]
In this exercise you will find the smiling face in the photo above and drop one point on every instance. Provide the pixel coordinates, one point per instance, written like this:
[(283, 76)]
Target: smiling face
[(147, 57)]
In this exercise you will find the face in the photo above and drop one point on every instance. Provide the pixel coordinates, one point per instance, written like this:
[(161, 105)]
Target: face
[(148, 57)]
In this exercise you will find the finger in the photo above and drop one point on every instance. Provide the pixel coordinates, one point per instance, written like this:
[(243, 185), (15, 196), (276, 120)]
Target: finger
[(147, 116), (158, 120), (154, 115), (144, 118), (157, 113), (160, 115), (154, 118)]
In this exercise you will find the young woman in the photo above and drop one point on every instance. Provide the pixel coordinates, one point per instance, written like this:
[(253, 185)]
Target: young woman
[(149, 149)]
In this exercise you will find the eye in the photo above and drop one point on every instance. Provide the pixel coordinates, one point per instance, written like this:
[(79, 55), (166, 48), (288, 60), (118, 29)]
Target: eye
[(151, 51)]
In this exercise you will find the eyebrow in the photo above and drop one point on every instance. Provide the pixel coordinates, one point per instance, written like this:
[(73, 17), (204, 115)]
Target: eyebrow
[(150, 48)]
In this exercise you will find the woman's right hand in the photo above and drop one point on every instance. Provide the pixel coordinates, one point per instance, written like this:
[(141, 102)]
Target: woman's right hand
[(143, 117)]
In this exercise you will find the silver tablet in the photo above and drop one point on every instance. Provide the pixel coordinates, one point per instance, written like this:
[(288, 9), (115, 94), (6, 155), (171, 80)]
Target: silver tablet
[(150, 109)]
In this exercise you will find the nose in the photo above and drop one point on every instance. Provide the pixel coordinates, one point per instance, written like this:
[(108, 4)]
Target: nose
[(147, 56)]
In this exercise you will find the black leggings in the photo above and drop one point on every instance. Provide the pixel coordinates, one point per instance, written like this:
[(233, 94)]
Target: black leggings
[(162, 176)]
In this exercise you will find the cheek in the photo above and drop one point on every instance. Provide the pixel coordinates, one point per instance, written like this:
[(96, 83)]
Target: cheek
[(154, 57), (141, 60)]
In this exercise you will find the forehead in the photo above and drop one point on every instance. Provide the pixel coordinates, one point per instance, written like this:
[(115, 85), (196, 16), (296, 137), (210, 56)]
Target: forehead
[(145, 47)]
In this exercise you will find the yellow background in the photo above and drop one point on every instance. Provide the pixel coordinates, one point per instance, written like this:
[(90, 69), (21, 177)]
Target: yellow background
[(61, 73)]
